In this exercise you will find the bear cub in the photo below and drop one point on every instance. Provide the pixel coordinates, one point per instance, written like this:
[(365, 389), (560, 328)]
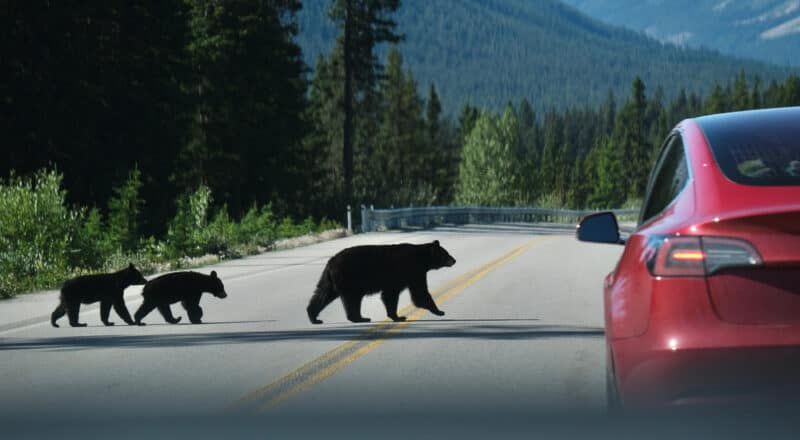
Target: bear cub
[(186, 287), (108, 288), (389, 269)]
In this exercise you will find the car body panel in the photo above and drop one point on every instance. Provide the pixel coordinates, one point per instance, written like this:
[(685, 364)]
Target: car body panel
[(736, 333)]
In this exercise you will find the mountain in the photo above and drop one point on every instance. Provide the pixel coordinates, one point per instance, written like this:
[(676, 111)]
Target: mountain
[(489, 52), (767, 30)]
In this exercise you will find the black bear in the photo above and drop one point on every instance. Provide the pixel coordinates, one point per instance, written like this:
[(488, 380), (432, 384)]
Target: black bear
[(186, 287), (108, 288), (389, 269)]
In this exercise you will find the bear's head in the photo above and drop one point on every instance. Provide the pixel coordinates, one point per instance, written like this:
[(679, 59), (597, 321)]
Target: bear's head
[(133, 276), (439, 256), (216, 288)]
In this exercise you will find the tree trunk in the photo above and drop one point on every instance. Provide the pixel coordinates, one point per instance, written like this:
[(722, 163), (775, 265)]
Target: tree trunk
[(348, 104)]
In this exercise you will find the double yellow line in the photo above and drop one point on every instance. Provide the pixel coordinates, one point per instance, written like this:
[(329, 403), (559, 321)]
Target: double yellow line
[(321, 368)]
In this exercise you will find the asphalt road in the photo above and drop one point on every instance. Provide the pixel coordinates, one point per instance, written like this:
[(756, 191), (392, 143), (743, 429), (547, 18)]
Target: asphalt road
[(522, 335)]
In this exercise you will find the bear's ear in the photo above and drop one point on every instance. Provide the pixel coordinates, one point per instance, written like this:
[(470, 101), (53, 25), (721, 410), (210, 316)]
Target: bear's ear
[(213, 274), (436, 242), (130, 266)]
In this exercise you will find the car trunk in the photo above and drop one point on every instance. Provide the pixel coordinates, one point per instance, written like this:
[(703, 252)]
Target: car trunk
[(768, 294)]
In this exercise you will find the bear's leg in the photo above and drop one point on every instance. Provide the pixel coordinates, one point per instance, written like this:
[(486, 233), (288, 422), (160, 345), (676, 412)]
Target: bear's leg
[(105, 309), (319, 300), (194, 311), (422, 298), (323, 295), (122, 311), (390, 299), (73, 309), (166, 312), (57, 314), (146, 307), (352, 306)]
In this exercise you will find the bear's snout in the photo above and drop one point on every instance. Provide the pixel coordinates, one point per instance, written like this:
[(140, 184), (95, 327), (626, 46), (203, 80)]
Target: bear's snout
[(222, 295), (451, 262)]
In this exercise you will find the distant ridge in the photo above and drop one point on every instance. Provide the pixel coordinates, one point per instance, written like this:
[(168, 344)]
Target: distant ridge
[(767, 30), (487, 52)]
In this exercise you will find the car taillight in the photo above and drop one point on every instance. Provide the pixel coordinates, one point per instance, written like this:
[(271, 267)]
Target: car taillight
[(699, 256)]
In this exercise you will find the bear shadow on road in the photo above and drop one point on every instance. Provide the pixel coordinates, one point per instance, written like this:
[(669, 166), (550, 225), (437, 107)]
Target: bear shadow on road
[(475, 329)]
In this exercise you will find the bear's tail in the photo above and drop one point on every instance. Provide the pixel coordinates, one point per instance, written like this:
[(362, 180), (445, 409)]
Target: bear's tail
[(323, 295)]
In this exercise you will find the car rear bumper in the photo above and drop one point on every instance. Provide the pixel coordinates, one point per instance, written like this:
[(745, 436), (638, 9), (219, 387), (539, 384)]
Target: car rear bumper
[(707, 376), (688, 355)]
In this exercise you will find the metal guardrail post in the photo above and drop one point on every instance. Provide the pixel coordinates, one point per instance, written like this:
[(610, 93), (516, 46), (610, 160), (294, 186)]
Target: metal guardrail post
[(364, 220)]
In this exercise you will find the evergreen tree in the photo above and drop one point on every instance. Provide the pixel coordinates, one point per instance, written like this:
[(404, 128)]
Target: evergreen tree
[(250, 93), (608, 190), (124, 212), (322, 147), (526, 115), (433, 113), (630, 138), (717, 102), (552, 143), (94, 88), (791, 91), (363, 25), (466, 121), (741, 98), (755, 94), (440, 156), (398, 167)]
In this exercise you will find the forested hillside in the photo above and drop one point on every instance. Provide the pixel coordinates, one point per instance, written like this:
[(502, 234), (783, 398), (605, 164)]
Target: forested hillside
[(767, 30), (151, 131), (489, 51)]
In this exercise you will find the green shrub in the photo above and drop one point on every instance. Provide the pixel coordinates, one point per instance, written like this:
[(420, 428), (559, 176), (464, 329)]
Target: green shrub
[(222, 234), (550, 201), (258, 227), (327, 224), (36, 232), (144, 260), (187, 235), (42, 242), (90, 246)]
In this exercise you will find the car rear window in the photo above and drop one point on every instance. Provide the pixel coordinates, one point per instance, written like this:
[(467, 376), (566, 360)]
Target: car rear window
[(756, 148)]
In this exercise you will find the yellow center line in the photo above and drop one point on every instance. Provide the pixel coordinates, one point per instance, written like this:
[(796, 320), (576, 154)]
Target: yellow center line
[(329, 363)]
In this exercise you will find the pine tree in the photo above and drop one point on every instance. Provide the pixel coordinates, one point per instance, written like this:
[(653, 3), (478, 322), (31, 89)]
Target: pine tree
[(755, 94), (717, 102), (608, 190), (466, 121), (322, 147), (741, 97), (363, 25), (400, 157), (124, 213), (439, 156), (526, 115), (630, 138), (250, 92)]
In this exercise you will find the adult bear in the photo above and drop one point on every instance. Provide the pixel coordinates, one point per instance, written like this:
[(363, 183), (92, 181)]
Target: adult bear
[(108, 288), (362, 270), (186, 287)]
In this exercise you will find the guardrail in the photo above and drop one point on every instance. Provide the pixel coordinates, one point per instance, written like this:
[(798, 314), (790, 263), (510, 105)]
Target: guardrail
[(384, 219)]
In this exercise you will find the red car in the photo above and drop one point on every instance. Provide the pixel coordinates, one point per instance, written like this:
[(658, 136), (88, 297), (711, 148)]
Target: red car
[(704, 304)]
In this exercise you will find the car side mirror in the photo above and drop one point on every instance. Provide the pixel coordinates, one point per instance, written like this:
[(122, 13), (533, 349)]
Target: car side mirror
[(599, 228)]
